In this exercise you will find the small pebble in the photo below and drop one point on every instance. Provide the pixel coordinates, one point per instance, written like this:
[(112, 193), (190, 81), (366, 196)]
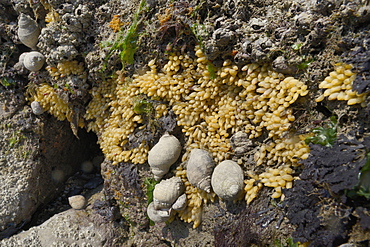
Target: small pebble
[(37, 108), (77, 202)]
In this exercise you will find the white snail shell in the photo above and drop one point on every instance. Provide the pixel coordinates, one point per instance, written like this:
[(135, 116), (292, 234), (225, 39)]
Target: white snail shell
[(163, 155), (28, 31), (33, 60), (180, 203), (199, 169), (227, 180), (158, 215), (166, 192)]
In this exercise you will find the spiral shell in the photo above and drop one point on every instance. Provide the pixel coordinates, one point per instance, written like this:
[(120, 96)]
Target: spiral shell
[(28, 31), (158, 215), (180, 203), (163, 155), (33, 60), (227, 180), (166, 192), (199, 169)]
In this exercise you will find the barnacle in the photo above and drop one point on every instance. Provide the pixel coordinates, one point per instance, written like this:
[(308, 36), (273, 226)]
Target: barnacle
[(339, 85)]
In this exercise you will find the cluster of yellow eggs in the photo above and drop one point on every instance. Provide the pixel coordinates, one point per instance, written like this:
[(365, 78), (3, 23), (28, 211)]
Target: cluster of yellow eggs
[(51, 102), (67, 68), (338, 86), (52, 16), (114, 119), (212, 105), (196, 198), (287, 150), (276, 178)]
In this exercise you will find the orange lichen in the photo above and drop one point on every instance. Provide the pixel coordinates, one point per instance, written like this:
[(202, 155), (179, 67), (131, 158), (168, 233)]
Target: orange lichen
[(116, 23)]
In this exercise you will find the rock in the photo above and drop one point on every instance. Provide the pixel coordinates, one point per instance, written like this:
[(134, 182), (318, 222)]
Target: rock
[(28, 179), (69, 228)]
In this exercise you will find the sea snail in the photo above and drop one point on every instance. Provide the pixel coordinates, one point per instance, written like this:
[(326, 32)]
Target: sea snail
[(33, 60), (228, 180), (199, 169), (28, 31), (163, 155)]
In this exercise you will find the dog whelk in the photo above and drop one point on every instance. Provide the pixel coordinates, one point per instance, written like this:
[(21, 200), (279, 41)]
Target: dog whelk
[(33, 60), (163, 155), (227, 180), (28, 31), (199, 169), (167, 192)]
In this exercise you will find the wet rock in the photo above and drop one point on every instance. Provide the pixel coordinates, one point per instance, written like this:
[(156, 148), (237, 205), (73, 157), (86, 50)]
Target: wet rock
[(69, 228)]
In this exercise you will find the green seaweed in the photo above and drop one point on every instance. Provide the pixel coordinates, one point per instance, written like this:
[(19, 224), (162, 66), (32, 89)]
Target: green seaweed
[(326, 135), (363, 186), (126, 42), (6, 82), (289, 243), (150, 185), (143, 105)]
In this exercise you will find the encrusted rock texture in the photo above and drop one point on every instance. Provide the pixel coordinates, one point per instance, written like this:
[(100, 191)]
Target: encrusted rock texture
[(243, 80)]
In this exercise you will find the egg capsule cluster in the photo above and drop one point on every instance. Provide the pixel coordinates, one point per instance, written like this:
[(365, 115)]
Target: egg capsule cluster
[(288, 150), (51, 102), (52, 16), (252, 186), (196, 198), (66, 68), (277, 178), (211, 105), (98, 110), (339, 84)]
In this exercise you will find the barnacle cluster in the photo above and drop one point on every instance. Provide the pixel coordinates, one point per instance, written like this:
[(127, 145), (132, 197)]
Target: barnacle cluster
[(339, 84), (196, 198), (67, 68)]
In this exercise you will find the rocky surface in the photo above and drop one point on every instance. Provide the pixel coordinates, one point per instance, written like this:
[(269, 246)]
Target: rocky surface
[(46, 154)]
